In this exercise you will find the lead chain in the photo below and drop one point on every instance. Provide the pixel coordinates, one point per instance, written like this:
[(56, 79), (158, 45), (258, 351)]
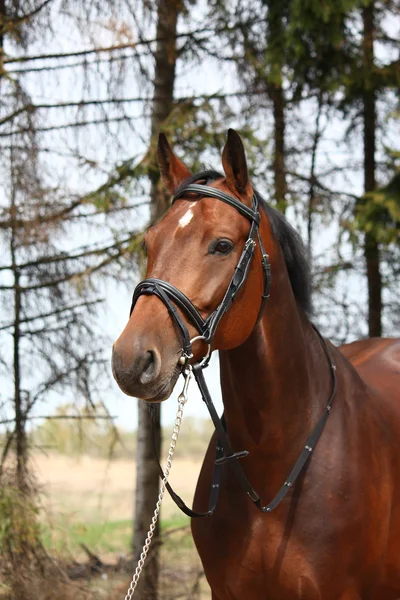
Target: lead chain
[(182, 399)]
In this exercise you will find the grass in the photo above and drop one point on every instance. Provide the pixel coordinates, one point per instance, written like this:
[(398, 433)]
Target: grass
[(64, 537)]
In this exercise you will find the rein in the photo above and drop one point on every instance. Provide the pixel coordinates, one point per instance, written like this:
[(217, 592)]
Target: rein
[(172, 298)]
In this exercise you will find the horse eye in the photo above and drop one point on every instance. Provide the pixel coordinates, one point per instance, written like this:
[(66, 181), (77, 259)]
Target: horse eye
[(221, 247)]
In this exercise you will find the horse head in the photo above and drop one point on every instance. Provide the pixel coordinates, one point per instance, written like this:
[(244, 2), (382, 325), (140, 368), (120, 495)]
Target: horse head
[(195, 247)]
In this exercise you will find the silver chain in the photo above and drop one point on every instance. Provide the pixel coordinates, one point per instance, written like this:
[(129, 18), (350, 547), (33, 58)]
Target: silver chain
[(182, 399)]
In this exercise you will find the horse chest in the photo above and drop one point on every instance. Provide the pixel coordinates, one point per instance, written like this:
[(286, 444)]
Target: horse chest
[(254, 560)]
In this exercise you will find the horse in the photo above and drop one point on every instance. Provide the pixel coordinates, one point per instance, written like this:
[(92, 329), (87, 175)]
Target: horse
[(336, 533)]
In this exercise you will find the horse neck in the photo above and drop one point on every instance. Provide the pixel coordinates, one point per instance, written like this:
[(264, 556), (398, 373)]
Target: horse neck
[(276, 384)]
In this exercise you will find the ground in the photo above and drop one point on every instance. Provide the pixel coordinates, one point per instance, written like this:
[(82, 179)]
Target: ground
[(90, 501)]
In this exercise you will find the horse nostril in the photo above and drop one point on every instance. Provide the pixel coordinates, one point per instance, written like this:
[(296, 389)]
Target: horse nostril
[(151, 367)]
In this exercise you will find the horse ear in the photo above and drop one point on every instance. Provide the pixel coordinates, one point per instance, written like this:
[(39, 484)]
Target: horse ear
[(235, 167), (173, 171)]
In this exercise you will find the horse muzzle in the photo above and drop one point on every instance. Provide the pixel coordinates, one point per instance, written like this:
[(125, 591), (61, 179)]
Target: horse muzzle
[(141, 370)]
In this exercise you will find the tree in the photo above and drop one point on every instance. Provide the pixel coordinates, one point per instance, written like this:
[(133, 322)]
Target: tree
[(371, 246), (371, 84), (149, 426)]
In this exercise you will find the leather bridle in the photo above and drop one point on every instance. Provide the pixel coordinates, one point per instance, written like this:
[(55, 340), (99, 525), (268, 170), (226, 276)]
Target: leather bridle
[(172, 298)]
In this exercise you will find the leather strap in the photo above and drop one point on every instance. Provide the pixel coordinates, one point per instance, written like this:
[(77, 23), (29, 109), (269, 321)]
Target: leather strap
[(210, 192), (151, 285), (215, 486), (230, 455), (157, 287), (225, 453)]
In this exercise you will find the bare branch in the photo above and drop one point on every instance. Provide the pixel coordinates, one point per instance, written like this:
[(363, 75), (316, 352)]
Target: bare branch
[(16, 21), (92, 417), (87, 251), (74, 124), (60, 55), (53, 313), (101, 102)]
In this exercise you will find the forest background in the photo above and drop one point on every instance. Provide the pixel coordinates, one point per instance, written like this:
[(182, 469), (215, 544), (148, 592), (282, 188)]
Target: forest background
[(85, 88)]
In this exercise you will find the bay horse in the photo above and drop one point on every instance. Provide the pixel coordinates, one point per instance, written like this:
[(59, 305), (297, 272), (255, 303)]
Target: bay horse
[(336, 533)]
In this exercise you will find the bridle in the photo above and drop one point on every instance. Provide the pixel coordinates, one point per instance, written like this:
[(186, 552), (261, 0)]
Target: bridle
[(172, 297)]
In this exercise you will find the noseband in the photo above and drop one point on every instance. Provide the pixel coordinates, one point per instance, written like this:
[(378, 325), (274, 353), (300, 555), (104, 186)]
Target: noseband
[(172, 298)]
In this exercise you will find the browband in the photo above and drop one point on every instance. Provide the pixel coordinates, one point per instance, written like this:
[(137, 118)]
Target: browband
[(210, 192)]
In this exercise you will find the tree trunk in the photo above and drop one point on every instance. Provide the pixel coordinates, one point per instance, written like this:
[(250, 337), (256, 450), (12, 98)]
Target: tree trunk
[(164, 80), (2, 25), (20, 433), (276, 47), (311, 192), (147, 489), (147, 482), (21, 447), (276, 94), (371, 246)]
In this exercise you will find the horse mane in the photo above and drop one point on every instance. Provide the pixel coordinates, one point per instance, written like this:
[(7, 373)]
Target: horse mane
[(294, 251), (295, 255)]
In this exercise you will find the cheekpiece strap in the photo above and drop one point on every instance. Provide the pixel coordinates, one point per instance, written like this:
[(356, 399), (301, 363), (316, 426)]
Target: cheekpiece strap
[(238, 279)]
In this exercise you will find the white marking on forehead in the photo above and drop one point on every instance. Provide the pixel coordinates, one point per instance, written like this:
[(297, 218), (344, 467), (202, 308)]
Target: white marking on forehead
[(186, 218)]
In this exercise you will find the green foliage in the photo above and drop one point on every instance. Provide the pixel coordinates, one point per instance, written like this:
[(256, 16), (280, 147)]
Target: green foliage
[(19, 526), (378, 212), (194, 127), (198, 130), (319, 62), (117, 189), (65, 538)]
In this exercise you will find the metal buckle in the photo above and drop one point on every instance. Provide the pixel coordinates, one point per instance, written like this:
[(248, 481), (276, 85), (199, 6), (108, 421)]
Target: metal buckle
[(249, 245)]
